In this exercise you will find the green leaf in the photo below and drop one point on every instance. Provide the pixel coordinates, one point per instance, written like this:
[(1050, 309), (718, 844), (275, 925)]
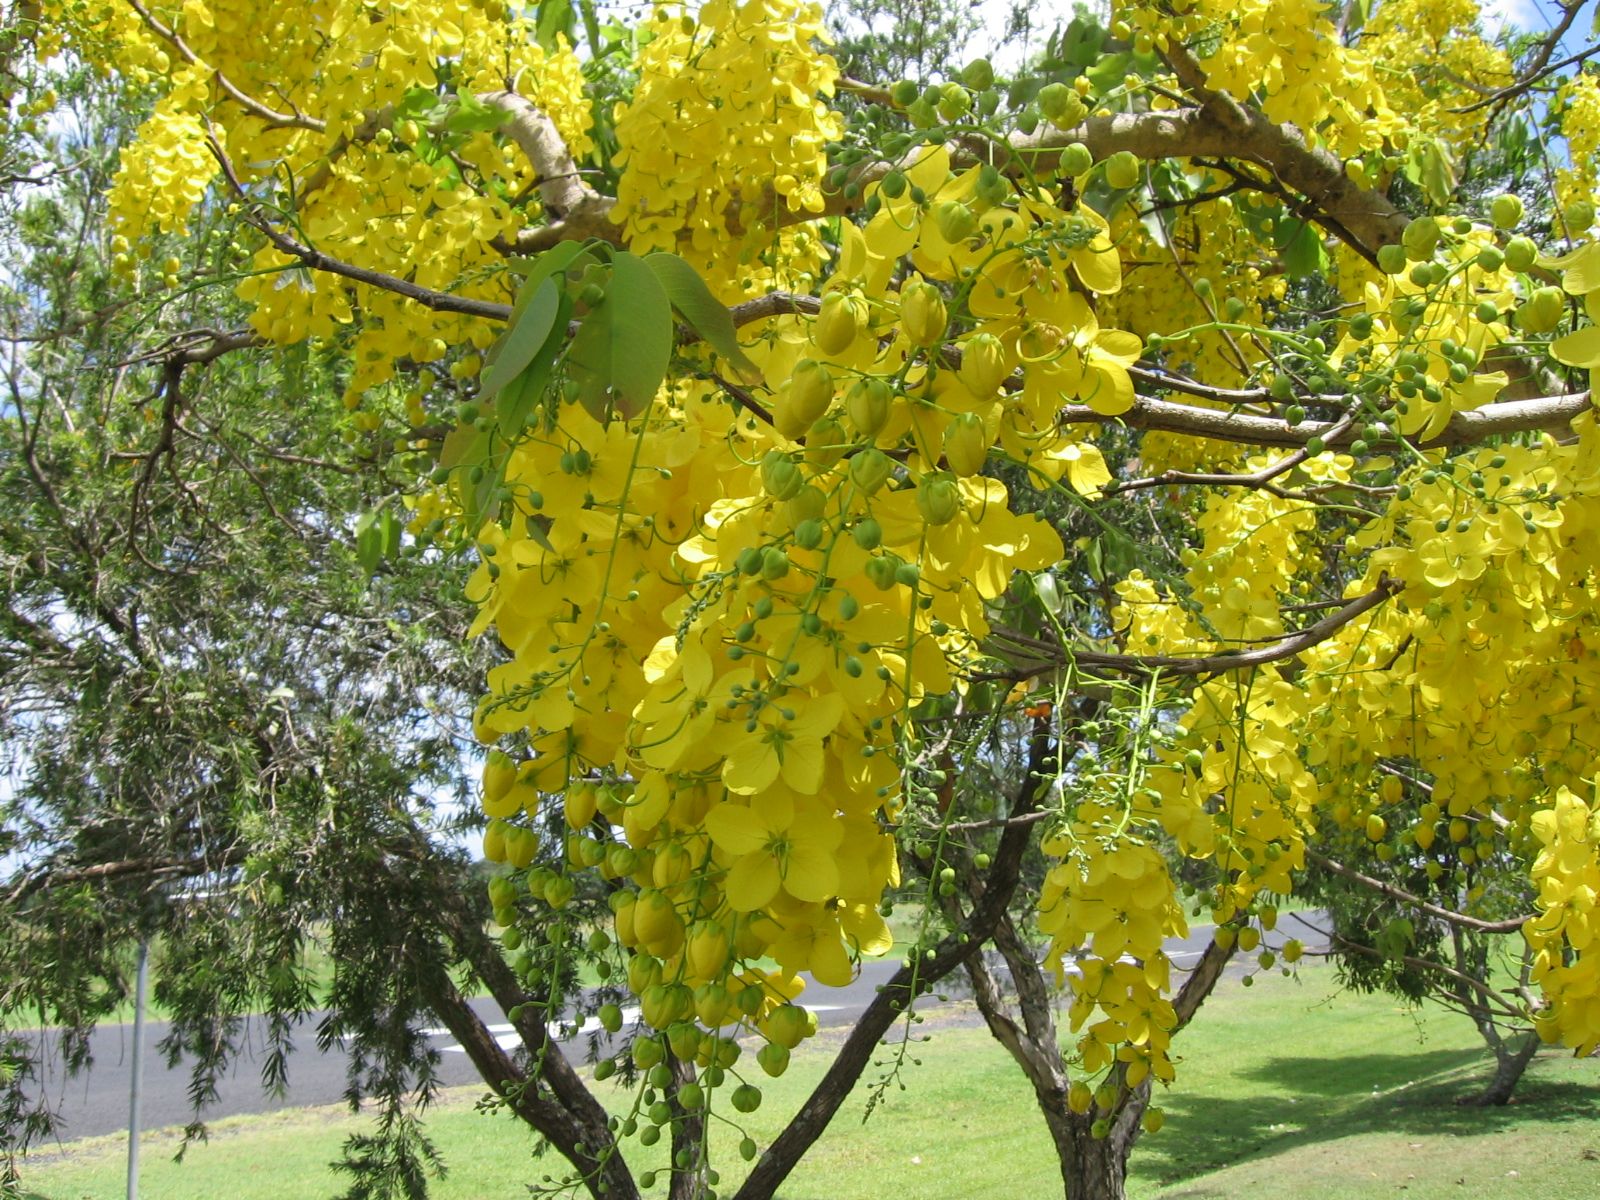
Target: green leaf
[(467, 450), (477, 497), (555, 17), (703, 312), (417, 104), (589, 361), (1081, 44), (532, 321), (468, 114), (1109, 71), (1301, 250), (458, 447), (369, 542), (517, 399), (389, 529), (641, 332), (1429, 165), (1255, 216), (552, 262)]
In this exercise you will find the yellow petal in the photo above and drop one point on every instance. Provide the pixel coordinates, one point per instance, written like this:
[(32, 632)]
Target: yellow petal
[(1581, 348), (830, 965), (1099, 266), (808, 874), (752, 882), (737, 830), (750, 766)]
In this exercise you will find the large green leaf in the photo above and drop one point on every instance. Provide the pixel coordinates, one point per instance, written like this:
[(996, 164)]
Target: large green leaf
[(555, 17), (704, 313), (468, 114), (553, 261), (641, 332), (1301, 249), (532, 321), (589, 361), (517, 399)]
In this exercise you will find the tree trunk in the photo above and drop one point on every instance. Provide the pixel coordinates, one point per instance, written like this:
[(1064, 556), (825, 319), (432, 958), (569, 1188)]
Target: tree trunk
[(1092, 1168), (1509, 1066)]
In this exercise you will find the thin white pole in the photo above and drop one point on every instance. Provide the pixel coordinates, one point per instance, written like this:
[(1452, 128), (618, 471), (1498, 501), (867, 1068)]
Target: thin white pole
[(138, 1069)]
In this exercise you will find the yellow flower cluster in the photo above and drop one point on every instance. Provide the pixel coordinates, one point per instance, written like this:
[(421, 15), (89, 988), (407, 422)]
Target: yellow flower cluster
[(1111, 893), (728, 125), (726, 623), (1436, 62), (1290, 59), (1479, 677), (1579, 105), (368, 180), (165, 171), (1426, 339), (1566, 963), (722, 613)]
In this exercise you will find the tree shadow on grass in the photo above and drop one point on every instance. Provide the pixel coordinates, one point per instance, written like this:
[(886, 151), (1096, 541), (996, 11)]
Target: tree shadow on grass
[(1307, 1100)]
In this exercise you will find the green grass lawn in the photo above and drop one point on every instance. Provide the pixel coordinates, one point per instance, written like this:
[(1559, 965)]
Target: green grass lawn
[(1283, 1091)]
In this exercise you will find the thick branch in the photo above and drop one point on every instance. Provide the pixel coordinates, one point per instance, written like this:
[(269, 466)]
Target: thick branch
[(603, 1174), (45, 879), (1542, 414), (574, 1120), (1510, 925), (1363, 217), (1548, 414), (581, 211), (1201, 981), (1208, 664)]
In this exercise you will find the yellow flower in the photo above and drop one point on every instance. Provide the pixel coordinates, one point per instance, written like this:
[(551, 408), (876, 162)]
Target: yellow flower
[(776, 842), (786, 743)]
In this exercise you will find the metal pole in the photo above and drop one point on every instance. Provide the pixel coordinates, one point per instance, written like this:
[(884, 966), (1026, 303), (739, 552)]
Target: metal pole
[(138, 1069)]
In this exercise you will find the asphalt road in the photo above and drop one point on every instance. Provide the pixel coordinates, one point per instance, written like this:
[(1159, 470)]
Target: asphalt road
[(97, 1102)]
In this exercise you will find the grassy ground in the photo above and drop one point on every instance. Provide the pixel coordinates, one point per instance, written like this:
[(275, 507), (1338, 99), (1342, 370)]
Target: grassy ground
[(1282, 1092)]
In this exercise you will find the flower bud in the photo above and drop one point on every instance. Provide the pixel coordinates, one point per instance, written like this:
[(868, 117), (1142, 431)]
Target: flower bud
[(837, 324), (809, 394), (938, 499), (955, 221), (1506, 211), (780, 477), (966, 444), (870, 470), (867, 405), (922, 313), (983, 364)]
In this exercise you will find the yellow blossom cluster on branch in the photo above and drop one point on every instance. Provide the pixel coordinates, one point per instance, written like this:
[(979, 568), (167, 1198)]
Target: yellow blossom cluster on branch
[(791, 456), (727, 127)]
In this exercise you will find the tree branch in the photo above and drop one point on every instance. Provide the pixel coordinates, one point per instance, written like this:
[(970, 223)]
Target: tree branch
[(318, 261), (580, 210), (1510, 925), (1209, 664), (296, 120)]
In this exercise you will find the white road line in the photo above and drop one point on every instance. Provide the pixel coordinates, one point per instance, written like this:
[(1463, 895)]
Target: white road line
[(507, 1038)]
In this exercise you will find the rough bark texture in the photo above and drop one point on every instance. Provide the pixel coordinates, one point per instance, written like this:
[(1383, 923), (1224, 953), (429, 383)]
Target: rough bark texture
[(1510, 1063), (552, 1099)]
